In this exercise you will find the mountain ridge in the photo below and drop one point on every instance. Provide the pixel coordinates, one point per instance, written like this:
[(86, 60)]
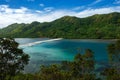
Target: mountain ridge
[(99, 26)]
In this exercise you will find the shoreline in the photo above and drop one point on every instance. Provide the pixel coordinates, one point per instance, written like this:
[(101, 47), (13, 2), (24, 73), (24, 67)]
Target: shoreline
[(98, 40), (38, 42)]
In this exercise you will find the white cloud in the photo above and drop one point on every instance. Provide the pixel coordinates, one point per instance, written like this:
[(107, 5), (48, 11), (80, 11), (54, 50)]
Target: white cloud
[(48, 9), (6, 10), (41, 5), (117, 2), (95, 2), (79, 7), (38, 11), (24, 15)]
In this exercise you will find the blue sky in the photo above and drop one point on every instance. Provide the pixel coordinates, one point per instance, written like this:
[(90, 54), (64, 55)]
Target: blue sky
[(27, 11)]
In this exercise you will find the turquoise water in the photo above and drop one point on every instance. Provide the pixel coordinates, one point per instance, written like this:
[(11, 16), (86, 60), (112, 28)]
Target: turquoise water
[(56, 51)]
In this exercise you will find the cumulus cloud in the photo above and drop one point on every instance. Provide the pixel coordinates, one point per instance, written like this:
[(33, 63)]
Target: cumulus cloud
[(4, 9), (90, 12), (24, 15)]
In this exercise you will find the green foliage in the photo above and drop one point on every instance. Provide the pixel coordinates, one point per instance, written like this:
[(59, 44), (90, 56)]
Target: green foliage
[(84, 64), (22, 76), (12, 59), (111, 74), (80, 69), (114, 52), (105, 26), (53, 72)]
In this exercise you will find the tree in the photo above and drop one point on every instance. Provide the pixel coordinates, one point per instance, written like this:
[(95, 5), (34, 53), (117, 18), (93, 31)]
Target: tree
[(84, 64), (114, 52), (89, 61), (113, 72), (82, 67), (12, 59), (53, 72)]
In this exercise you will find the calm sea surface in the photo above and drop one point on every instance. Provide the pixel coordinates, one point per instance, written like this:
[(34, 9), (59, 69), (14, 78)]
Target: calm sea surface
[(57, 51)]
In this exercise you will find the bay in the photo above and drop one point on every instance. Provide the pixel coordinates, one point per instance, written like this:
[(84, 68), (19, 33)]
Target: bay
[(56, 51)]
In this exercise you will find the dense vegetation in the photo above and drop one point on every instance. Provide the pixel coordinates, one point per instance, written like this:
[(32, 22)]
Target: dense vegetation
[(81, 68), (12, 59), (105, 26)]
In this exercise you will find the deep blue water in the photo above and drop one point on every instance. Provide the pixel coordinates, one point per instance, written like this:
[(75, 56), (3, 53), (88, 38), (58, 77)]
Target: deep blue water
[(55, 51)]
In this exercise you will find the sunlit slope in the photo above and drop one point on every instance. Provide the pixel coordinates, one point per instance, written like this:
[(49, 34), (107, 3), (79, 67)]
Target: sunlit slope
[(104, 26)]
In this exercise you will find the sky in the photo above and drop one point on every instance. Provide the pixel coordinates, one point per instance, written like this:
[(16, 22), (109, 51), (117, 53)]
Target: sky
[(27, 11)]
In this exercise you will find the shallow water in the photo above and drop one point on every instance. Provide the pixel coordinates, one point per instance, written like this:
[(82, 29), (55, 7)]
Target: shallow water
[(56, 51)]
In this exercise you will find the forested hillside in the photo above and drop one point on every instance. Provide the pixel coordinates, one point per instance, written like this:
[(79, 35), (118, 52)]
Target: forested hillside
[(105, 26)]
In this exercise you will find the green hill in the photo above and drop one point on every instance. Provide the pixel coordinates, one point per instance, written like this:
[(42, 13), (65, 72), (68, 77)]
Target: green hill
[(104, 26)]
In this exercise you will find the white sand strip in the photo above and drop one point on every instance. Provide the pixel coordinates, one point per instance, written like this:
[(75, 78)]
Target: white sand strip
[(38, 42)]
